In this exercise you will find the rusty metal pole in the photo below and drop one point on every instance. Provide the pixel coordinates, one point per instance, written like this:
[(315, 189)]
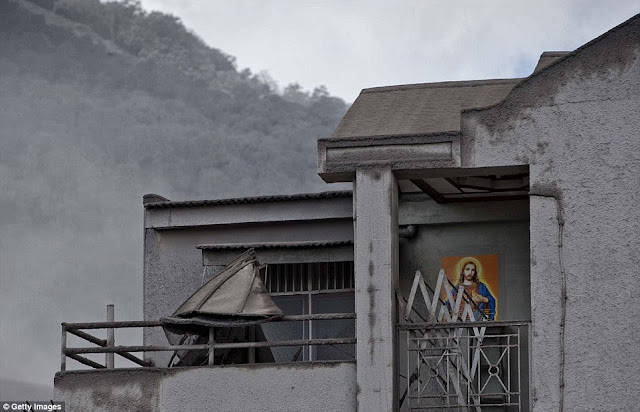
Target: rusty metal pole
[(212, 342), (109, 357), (63, 347)]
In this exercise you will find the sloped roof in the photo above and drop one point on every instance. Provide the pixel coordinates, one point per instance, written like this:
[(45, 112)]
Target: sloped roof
[(152, 201), (418, 109)]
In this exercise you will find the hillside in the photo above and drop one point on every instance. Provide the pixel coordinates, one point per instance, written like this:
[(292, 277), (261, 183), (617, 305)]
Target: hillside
[(100, 104)]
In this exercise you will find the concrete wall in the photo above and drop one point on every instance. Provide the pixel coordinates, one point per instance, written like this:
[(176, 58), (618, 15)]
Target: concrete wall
[(173, 266), (577, 125), (487, 228), (463, 229), (285, 387)]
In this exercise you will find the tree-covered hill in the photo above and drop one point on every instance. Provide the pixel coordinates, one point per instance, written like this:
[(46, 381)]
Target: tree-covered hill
[(101, 103), (140, 89)]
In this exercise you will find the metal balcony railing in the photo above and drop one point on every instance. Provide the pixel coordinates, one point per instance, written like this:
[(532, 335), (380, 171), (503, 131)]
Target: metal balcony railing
[(464, 365), (108, 347)]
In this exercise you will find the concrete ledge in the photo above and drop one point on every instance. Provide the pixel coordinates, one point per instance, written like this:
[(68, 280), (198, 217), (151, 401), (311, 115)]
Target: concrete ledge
[(339, 158), (326, 386), (275, 255), (265, 212), (428, 212)]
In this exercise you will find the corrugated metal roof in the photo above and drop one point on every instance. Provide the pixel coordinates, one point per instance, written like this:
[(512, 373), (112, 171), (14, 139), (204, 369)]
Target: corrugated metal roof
[(273, 245), (241, 200), (418, 109)]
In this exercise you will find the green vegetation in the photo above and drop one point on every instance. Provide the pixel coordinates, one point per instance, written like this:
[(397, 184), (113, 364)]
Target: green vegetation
[(137, 90), (100, 104)]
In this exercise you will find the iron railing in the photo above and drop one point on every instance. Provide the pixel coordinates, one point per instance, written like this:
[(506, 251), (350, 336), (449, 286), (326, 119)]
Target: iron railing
[(465, 365), (108, 347)]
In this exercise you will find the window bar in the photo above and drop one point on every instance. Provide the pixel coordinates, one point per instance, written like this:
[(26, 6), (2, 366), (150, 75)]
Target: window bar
[(509, 367), (446, 358), (479, 371), (334, 275), (408, 372), (300, 273), (271, 281), (310, 311), (286, 278), (294, 275), (351, 277), (301, 277), (326, 275), (469, 356), (519, 383)]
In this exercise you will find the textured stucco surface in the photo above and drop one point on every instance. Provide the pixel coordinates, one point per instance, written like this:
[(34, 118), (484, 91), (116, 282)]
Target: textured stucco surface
[(577, 125), (509, 240), (234, 213), (287, 387), (173, 266), (376, 279), (109, 390)]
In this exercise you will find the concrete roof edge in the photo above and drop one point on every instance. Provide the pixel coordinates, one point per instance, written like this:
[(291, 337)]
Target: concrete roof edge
[(389, 136), (271, 245), (245, 200), (446, 84), (555, 53)]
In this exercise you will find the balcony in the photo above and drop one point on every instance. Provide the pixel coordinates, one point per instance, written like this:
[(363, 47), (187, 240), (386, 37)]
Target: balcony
[(481, 366), (233, 376)]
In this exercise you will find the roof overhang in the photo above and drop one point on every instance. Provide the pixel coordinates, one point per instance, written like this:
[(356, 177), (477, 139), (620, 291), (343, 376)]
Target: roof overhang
[(338, 159), (427, 163)]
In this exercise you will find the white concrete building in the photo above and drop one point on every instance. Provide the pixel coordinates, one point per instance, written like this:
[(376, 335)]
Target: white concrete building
[(535, 180)]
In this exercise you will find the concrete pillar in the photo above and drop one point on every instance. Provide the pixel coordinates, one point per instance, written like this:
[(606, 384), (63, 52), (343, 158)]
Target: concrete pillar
[(376, 279), (546, 305)]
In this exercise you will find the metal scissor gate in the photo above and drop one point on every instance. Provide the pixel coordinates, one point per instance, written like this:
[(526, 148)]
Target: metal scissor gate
[(454, 362)]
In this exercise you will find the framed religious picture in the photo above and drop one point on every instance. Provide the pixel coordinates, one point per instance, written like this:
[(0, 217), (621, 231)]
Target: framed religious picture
[(477, 276)]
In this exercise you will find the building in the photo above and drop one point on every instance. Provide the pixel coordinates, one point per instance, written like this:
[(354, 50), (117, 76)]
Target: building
[(536, 178)]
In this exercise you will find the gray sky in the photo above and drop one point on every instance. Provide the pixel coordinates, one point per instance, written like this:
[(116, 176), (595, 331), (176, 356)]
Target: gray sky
[(349, 45)]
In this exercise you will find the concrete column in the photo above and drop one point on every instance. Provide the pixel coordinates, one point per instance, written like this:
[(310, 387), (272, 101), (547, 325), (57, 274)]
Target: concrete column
[(546, 305), (376, 279)]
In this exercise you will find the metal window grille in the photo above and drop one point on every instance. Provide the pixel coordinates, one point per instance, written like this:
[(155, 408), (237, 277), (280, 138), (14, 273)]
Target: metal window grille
[(296, 278), (308, 284)]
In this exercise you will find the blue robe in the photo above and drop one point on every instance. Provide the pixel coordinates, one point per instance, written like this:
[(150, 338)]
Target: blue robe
[(488, 309)]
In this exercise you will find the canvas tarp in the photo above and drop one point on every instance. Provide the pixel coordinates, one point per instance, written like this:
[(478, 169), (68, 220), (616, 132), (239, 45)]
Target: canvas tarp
[(235, 296), (231, 301)]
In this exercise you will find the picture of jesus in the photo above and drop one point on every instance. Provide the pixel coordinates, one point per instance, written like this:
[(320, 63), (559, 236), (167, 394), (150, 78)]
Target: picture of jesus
[(465, 273)]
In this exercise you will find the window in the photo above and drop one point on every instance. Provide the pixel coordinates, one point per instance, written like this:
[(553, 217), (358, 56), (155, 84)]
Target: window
[(309, 288)]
